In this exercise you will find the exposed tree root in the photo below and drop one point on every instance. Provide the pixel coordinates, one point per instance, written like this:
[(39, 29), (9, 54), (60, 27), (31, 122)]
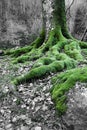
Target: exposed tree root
[(38, 42), (57, 54)]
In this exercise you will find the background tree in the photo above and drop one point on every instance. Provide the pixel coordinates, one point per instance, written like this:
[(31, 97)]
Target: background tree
[(53, 51), (80, 22)]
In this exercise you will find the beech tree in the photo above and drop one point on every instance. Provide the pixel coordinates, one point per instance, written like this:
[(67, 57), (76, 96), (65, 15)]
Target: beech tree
[(55, 50)]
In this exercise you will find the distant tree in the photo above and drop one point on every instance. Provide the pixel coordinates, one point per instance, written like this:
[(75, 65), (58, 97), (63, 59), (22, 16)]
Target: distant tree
[(80, 22)]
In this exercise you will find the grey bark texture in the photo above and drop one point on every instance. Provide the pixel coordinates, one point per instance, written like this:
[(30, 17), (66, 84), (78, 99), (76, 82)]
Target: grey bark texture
[(47, 14)]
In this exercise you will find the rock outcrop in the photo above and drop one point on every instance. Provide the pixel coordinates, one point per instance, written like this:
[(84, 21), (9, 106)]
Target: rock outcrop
[(76, 115)]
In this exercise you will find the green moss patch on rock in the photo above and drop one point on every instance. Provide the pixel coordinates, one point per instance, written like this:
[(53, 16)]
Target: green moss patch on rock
[(64, 82)]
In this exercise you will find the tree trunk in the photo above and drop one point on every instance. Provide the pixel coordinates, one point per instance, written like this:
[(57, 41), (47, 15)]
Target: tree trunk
[(55, 16)]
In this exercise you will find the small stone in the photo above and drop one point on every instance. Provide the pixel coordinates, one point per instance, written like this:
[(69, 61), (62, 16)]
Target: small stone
[(44, 88), (31, 85), (23, 106), (37, 128), (1, 52), (6, 90), (47, 95), (27, 108), (37, 108), (15, 99), (41, 84), (21, 89), (2, 111), (28, 121), (14, 119), (44, 108), (21, 69), (24, 127), (8, 126), (23, 117)]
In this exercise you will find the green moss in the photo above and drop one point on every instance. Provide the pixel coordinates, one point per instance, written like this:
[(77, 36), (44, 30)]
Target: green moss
[(44, 61), (61, 106), (19, 51), (68, 62), (20, 59), (32, 55), (45, 66), (84, 53), (63, 83), (39, 72), (82, 44), (18, 101), (73, 50)]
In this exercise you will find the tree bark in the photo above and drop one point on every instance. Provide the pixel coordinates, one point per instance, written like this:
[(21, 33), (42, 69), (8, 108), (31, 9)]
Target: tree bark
[(55, 16)]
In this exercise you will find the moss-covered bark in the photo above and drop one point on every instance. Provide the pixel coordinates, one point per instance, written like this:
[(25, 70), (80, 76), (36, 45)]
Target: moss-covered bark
[(59, 52)]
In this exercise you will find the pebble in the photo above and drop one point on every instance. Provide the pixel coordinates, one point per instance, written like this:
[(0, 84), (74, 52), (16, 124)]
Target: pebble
[(23, 106), (9, 126), (23, 117), (15, 99), (1, 52), (2, 111), (31, 85), (37, 128), (24, 127), (1, 129), (14, 119), (28, 121), (44, 107), (33, 108), (21, 89)]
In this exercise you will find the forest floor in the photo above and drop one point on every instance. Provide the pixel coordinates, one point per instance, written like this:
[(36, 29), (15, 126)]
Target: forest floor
[(29, 106)]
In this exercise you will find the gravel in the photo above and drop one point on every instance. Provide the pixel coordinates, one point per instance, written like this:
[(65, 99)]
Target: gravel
[(29, 107)]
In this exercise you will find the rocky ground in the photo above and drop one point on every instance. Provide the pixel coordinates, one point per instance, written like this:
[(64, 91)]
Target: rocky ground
[(29, 106)]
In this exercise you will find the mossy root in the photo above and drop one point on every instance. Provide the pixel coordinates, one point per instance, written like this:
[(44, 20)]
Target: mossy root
[(63, 83)]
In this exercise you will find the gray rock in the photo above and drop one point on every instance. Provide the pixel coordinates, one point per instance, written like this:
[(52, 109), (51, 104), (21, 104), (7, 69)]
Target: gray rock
[(14, 119), (76, 115), (1, 129), (44, 107), (2, 111), (24, 127), (8, 126), (37, 128), (1, 52)]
